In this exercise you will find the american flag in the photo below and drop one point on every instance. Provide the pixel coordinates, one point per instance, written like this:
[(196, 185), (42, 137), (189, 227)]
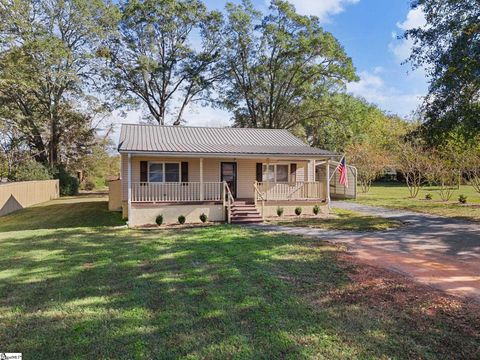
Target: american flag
[(342, 169)]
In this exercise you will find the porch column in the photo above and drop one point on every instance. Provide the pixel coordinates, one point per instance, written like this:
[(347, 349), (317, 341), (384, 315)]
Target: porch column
[(312, 169), (327, 174), (267, 187), (202, 196), (129, 181)]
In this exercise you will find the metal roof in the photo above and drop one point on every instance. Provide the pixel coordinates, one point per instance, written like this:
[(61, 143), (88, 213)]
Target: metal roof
[(208, 140)]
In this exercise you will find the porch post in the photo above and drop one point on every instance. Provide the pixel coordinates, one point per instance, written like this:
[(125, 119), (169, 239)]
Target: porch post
[(129, 180), (202, 196), (267, 187), (327, 172)]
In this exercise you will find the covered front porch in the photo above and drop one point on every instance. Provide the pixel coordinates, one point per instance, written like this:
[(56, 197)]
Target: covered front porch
[(188, 185)]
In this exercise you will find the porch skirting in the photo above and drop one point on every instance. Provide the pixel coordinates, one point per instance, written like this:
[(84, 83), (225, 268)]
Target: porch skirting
[(145, 214)]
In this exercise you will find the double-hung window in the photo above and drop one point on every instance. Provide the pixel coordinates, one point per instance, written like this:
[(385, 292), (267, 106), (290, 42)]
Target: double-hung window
[(275, 172), (163, 172)]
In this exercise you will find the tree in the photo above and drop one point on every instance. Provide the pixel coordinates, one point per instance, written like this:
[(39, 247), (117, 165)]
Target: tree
[(470, 165), (153, 62), (442, 170), (448, 47), (277, 63), (47, 69), (344, 120), (369, 160), (413, 163)]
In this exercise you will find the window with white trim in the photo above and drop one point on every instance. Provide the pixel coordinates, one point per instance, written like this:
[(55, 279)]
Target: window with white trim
[(275, 172), (163, 172)]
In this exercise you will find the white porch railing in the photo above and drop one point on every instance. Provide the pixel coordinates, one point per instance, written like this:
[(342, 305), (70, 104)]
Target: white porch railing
[(290, 191), (177, 192)]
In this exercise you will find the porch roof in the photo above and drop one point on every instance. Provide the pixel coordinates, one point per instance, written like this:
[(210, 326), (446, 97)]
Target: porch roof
[(177, 140)]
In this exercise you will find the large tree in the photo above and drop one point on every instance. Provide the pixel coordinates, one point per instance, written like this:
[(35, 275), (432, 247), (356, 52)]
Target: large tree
[(47, 70), (276, 63), (448, 47), (164, 54)]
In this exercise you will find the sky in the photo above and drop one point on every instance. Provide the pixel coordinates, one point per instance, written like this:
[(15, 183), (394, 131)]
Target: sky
[(368, 30)]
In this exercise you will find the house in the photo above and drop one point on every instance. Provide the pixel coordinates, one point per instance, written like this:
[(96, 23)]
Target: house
[(230, 174)]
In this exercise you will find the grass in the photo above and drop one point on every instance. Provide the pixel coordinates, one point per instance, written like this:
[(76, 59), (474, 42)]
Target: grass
[(342, 220), (74, 285), (396, 196)]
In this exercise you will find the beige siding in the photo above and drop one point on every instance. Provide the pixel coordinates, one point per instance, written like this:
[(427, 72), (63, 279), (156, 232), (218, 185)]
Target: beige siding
[(16, 196), (246, 171), (114, 195)]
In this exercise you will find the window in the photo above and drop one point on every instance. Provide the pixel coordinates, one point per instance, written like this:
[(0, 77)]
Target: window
[(163, 172), (275, 172)]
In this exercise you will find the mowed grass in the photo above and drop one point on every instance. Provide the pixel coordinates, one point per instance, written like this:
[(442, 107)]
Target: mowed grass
[(340, 220), (73, 285), (396, 196)]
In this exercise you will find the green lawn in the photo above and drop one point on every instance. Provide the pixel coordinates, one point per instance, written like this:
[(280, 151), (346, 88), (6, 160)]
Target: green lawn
[(341, 220), (74, 285), (396, 196)]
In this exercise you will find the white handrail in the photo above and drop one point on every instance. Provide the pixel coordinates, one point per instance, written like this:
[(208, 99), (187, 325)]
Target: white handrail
[(308, 190), (176, 191), (230, 201)]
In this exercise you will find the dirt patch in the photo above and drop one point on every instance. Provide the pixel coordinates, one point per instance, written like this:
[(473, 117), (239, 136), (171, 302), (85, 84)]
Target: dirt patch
[(390, 291)]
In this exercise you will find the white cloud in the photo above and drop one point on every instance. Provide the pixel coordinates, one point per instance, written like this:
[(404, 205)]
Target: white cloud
[(322, 8), (373, 88), (401, 48)]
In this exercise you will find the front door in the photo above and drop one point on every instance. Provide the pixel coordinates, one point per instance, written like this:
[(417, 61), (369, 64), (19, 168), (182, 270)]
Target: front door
[(228, 173)]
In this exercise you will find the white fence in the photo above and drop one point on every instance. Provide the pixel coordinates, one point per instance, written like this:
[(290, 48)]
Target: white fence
[(177, 192)]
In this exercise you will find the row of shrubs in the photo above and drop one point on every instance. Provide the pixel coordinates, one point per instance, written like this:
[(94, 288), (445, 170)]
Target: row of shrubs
[(181, 219), (462, 199), (299, 210)]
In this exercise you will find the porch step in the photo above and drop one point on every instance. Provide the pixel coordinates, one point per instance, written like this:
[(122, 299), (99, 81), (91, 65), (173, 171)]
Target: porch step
[(244, 212)]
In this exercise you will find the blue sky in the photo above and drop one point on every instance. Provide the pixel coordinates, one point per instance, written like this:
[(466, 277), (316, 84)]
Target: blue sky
[(367, 29)]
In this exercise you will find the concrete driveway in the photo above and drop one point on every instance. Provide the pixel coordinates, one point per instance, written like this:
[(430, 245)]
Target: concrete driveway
[(441, 252)]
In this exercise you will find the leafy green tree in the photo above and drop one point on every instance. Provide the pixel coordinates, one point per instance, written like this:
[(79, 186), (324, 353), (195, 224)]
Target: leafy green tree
[(48, 68), (343, 120), (276, 63), (448, 47), (153, 60)]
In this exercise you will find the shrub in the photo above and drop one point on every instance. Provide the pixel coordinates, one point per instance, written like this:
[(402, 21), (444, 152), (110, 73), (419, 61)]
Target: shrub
[(279, 211), (428, 197), (316, 209), (32, 170), (89, 185), (462, 199), (203, 218), (298, 211), (159, 220), (181, 219), (68, 183)]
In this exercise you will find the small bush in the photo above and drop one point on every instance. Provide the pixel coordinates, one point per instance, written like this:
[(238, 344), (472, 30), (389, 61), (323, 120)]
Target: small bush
[(181, 219), (316, 209), (298, 211), (279, 211), (159, 220), (428, 197), (89, 185), (203, 218), (462, 199)]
